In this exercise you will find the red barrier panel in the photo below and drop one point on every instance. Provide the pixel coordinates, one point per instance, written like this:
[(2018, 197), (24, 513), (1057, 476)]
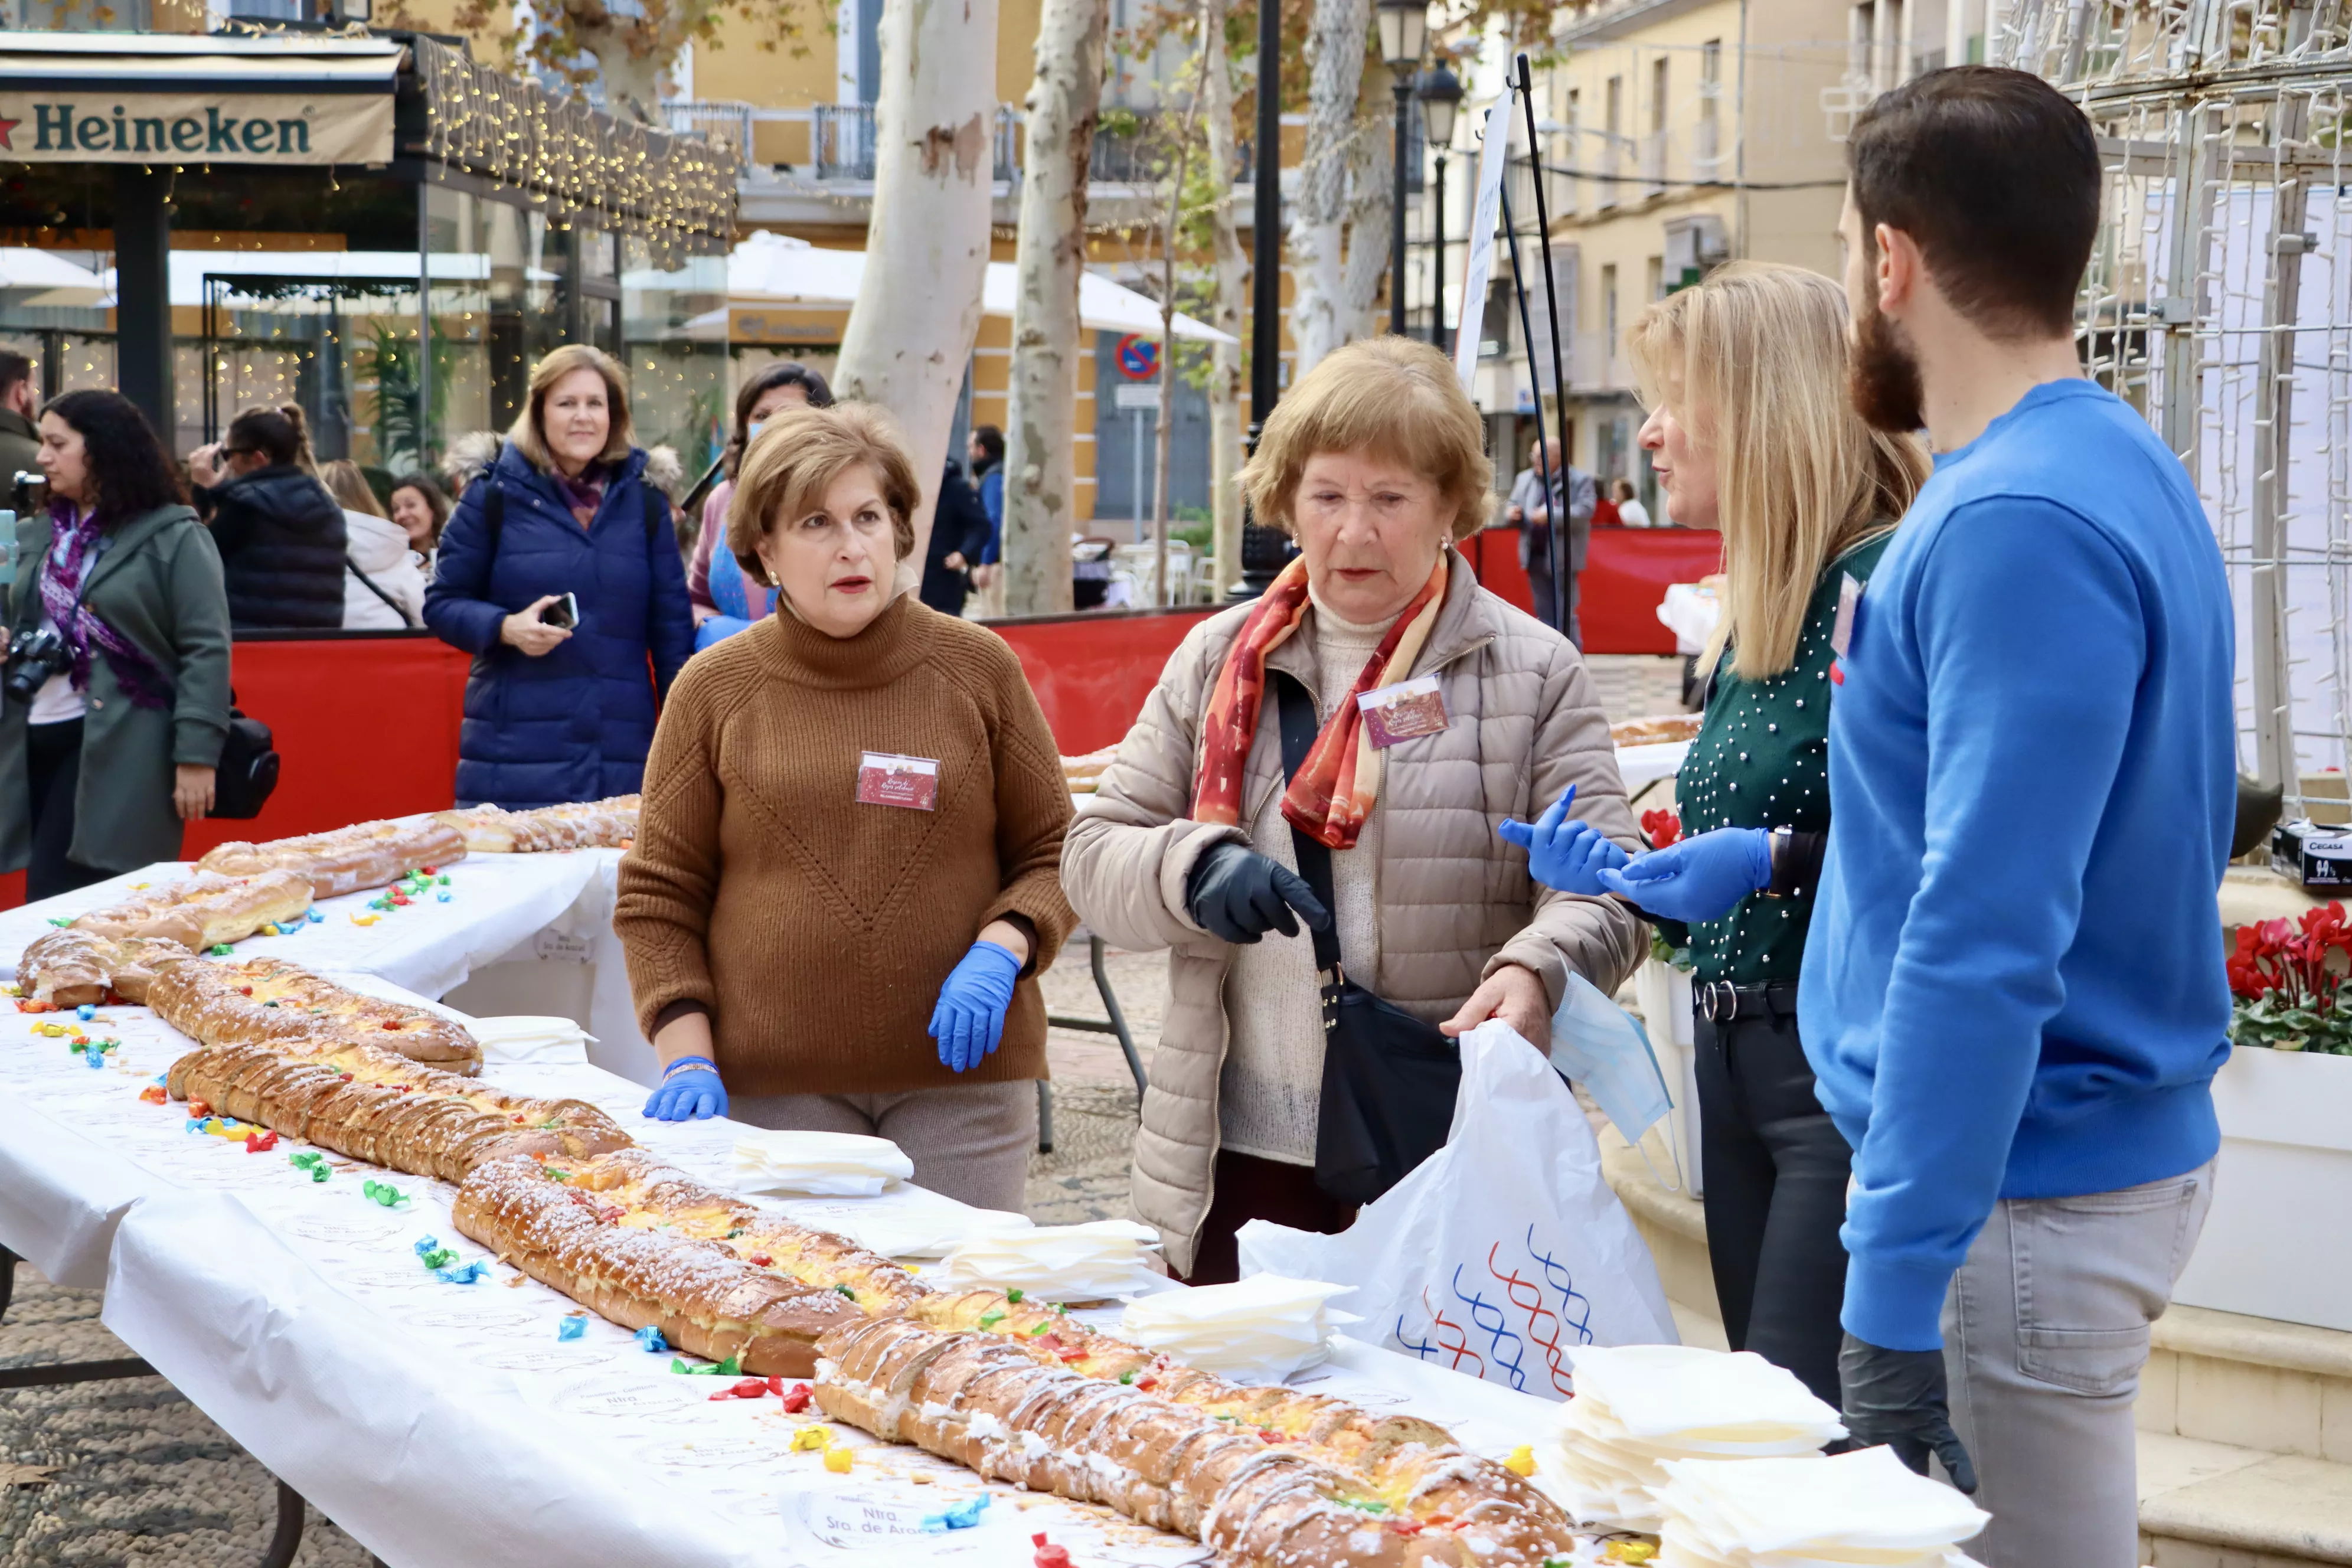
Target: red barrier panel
[(1092, 672), (1626, 574), (365, 727)]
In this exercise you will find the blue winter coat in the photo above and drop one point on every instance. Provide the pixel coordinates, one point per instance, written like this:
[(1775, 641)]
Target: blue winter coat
[(574, 723)]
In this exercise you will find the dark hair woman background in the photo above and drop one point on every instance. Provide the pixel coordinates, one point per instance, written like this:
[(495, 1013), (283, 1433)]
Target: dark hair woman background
[(724, 601), (422, 511), (114, 743), (281, 534), (556, 713)]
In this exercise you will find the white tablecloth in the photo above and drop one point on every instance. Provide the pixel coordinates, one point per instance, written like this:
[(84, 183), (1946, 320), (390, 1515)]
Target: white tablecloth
[(496, 901), (297, 1316)]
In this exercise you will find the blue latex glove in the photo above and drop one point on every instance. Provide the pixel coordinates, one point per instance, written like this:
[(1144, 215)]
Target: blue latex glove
[(1700, 879), (969, 1022), (1563, 853), (689, 1092)]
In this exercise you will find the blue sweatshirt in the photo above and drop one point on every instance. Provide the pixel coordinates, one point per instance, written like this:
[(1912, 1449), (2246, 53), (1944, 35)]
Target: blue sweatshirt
[(2013, 985)]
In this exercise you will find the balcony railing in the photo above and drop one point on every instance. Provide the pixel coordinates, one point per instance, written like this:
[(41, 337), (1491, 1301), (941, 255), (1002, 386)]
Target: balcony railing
[(1137, 147), (1707, 151), (1653, 164), (725, 124), (1609, 165), (841, 141)]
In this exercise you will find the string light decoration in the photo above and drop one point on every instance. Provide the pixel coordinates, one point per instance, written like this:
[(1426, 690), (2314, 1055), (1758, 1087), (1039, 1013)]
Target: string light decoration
[(622, 177)]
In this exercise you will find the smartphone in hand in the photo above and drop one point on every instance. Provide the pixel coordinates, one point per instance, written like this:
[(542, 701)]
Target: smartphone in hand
[(564, 613)]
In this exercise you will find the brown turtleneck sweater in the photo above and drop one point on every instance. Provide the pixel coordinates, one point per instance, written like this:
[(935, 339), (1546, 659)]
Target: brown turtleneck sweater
[(816, 930)]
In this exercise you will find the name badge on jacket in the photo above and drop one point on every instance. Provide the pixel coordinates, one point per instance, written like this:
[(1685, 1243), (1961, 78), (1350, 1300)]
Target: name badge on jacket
[(886, 778), (1405, 712)]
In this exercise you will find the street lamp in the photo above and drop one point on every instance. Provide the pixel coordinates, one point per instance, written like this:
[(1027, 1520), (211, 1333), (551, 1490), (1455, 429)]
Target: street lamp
[(1441, 95), (1265, 551), (1404, 29)]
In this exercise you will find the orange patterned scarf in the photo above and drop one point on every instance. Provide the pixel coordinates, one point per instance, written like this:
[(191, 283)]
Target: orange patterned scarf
[(1336, 787)]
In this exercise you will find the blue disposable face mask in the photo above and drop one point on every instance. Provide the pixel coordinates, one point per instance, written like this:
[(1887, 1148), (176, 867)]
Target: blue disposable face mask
[(751, 431), (1600, 1045)]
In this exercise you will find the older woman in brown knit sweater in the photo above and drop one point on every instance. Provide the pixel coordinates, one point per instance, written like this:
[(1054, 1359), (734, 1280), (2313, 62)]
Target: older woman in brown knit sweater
[(845, 878)]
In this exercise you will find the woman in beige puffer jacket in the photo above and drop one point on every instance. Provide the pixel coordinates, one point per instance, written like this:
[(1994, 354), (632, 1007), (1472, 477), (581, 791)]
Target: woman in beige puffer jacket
[(1374, 462)]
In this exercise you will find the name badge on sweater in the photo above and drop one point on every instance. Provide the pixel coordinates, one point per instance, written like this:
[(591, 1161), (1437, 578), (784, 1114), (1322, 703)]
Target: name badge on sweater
[(1841, 630), (1404, 711), (886, 778)]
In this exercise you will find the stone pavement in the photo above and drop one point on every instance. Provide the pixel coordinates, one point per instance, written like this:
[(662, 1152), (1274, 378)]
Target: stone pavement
[(101, 1474)]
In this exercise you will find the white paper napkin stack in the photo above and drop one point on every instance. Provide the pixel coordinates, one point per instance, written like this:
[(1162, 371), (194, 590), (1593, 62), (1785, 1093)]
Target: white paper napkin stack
[(1092, 1262), (540, 1042), (1265, 1328), (1858, 1508), (826, 1165), (1639, 1406)]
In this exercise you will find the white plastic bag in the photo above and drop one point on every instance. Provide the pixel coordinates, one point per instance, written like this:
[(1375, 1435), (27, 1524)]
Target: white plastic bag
[(1500, 1252)]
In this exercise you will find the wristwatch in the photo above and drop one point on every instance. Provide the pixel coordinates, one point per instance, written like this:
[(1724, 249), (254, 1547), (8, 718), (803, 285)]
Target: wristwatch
[(1777, 841)]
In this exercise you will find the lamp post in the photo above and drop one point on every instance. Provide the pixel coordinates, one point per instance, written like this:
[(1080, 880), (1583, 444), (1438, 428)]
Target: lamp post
[(1404, 29), (1441, 95), (1264, 550)]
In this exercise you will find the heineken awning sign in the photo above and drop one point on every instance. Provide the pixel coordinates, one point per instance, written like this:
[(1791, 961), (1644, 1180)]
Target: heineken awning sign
[(185, 109)]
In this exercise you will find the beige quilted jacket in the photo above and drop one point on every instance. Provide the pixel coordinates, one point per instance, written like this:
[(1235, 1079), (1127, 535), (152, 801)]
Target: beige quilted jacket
[(1455, 900)]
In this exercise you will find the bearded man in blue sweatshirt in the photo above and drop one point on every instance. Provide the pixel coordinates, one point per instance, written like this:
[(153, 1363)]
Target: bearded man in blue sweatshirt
[(2013, 995)]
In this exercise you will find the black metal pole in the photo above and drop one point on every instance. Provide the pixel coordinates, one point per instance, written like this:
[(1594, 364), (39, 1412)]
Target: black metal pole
[(1528, 331), (1437, 331), (1559, 374), (1265, 551), (1403, 89), (143, 289)]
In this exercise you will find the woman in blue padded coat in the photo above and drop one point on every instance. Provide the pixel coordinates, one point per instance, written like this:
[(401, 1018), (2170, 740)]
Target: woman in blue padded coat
[(556, 714)]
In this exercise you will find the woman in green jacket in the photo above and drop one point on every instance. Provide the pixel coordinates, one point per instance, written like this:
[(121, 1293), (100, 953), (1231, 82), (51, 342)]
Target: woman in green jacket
[(1749, 431), (117, 688)]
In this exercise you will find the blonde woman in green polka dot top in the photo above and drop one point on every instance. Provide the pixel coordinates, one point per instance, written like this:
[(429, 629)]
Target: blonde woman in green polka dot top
[(1751, 431)]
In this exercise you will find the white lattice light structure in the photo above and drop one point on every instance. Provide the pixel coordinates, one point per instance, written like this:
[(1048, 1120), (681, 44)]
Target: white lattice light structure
[(2219, 301)]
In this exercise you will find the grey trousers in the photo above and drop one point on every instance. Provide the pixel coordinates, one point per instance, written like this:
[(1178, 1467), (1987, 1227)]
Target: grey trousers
[(968, 1140), (2045, 1330)]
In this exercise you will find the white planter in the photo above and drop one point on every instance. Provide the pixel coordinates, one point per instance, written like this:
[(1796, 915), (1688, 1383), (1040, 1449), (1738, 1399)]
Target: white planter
[(2275, 1242), (1665, 993)]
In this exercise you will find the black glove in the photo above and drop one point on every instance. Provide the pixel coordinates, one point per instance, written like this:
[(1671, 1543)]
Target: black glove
[(1897, 1398), (1239, 895)]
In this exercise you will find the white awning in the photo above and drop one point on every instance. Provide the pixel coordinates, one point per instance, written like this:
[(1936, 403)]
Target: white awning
[(771, 268), (191, 74)]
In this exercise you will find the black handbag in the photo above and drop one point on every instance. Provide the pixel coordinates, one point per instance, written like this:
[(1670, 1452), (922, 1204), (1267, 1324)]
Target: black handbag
[(1389, 1080), (249, 769)]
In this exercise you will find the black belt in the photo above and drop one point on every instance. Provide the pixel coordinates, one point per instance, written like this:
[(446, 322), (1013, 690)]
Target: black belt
[(1720, 1002)]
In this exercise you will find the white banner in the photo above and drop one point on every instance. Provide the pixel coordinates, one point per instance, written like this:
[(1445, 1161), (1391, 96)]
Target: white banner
[(1470, 305), (48, 126)]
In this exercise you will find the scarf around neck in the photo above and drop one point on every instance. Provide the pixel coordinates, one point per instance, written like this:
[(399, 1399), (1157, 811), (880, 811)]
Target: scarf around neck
[(1338, 784), (73, 553), (585, 494)]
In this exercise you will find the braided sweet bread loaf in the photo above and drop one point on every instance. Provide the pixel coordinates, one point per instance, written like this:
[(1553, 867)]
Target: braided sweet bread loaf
[(991, 1403), (702, 1296), (650, 1191), (365, 855), (70, 967), (586, 825), (1015, 1389), (374, 1105), (207, 909), (258, 999)]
